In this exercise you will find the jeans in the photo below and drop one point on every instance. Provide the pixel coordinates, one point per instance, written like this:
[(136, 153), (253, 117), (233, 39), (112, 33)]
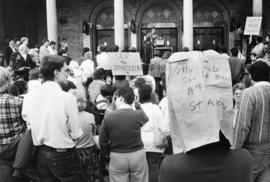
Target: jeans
[(261, 155), (154, 160), (56, 166)]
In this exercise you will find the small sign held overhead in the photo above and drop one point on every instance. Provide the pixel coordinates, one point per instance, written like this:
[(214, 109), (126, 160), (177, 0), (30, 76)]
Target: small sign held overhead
[(253, 25), (125, 63)]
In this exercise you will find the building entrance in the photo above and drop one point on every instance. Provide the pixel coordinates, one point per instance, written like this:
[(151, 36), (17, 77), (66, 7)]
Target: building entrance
[(208, 37)]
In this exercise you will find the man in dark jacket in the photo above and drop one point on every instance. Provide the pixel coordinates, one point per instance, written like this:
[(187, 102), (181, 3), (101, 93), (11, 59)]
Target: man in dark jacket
[(237, 67)]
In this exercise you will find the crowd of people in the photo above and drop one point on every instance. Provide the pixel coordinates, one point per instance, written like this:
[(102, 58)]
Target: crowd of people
[(68, 120)]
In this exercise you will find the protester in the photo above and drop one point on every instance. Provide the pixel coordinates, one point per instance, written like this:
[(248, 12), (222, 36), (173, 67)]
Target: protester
[(98, 82), (12, 126), (87, 67), (43, 50), (8, 50), (52, 48), (259, 48), (237, 92), (252, 121), (53, 117), (102, 59), (153, 132), (11, 122), (85, 146), (120, 81), (34, 80), (237, 67), (155, 71), (224, 53), (127, 157)]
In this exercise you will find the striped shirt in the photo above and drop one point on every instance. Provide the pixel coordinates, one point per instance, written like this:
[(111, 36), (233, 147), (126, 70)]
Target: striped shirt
[(253, 117)]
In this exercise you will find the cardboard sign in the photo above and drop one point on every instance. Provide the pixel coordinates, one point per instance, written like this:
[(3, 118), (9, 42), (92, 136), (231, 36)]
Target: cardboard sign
[(125, 63), (200, 100), (253, 25)]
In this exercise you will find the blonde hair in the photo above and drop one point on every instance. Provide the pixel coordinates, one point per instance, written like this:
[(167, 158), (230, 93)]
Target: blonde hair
[(81, 98)]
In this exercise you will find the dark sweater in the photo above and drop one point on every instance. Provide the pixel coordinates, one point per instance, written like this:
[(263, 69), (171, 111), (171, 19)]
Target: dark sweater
[(120, 131), (212, 163)]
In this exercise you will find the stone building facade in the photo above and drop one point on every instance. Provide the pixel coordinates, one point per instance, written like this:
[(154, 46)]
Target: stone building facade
[(216, 22)]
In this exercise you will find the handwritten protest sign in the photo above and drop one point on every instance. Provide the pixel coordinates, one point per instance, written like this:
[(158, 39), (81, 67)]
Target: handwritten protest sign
[(125, 63), (253, 26), (199, 91)]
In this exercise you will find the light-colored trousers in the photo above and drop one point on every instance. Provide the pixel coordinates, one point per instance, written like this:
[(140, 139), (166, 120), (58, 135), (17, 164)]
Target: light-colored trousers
[(128, 167)]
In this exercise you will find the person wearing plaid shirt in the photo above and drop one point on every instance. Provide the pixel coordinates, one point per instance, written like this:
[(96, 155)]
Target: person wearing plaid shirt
[(12, 125)]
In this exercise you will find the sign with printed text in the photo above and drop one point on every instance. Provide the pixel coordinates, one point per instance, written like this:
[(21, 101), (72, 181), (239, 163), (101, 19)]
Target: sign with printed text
[(199, 91), (253, 25), (125, 63)]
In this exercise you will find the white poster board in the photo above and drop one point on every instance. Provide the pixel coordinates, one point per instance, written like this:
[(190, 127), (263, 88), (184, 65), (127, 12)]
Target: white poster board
[(200, 101), (125, 63), (253, 25)]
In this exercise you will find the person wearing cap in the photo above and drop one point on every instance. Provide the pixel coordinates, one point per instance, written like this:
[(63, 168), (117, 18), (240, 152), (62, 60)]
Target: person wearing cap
[(52, 115), (155, 71), (253, 120), (12, 125)]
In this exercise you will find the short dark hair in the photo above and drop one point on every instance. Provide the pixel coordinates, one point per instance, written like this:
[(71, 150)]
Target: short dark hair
[(85, 50), (259, 71), (21, 85), (103, 48), (234, 52), (107, 90), (115, 48), (49, 64), (67, 85), (185, 49), (120, 77), (145, 92), (99, 74), (127, 93), (223, 49), (52, 43), (34, 74), (259, 39)]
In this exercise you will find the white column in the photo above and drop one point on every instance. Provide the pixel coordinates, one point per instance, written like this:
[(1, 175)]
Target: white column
[(51, 20), (257, 7), (188, 24), (119, 23)]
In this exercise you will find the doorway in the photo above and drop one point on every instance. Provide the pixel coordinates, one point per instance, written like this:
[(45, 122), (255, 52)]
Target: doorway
[(208, 37), (169, 35)]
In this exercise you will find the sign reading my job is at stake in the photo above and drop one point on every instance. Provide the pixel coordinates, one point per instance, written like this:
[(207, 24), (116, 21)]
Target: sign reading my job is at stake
[(125, 63), (253, 25), (199, 92)]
